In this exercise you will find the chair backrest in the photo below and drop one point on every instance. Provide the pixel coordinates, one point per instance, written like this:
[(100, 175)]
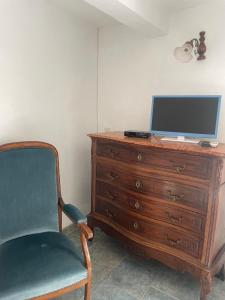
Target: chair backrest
[(29, 189)]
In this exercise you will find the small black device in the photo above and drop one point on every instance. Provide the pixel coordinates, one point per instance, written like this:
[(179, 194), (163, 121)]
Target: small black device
[(137, 134), (208, 144), (204, 144)]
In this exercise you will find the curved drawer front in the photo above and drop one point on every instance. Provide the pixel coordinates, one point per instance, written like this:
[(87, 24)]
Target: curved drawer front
[(178, 216), (178, 163), (151, 231), (169, 191)]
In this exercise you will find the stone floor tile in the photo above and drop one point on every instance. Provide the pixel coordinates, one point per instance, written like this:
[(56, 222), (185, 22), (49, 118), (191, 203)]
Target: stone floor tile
[(218, 290), (112, 293), (154, 294), (118, 275), (182, 286), (108, 253), (99, 273), (129, 277)]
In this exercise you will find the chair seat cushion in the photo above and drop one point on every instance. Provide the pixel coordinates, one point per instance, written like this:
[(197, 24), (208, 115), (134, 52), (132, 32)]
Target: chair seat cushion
[(37, 264)]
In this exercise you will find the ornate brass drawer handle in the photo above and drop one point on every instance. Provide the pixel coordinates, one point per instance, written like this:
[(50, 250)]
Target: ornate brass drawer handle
[(137, 205), (138, 184), (174, 219), (174, 197), (178, 168), (109, 214), (172, 242), (139, 157), (136, 226), (111, 195), (113, 175)]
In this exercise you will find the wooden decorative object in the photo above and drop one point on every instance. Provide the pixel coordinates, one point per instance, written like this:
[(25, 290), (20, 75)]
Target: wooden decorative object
[(164, 200), (202, 46)]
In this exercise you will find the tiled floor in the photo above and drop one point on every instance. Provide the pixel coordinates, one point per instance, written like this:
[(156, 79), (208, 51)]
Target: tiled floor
[(118, 275)]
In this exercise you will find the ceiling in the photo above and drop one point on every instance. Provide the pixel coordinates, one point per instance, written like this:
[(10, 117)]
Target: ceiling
[(182, 4), (85, 11), (89, 13)]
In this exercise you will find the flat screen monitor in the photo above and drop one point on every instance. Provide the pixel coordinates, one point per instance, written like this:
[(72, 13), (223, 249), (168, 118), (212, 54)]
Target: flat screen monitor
[(190, 116)]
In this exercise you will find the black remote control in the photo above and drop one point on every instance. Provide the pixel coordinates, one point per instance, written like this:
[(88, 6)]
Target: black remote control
[(205, 144)]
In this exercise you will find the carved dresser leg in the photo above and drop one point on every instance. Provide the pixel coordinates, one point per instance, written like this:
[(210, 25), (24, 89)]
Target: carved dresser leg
[(221, 274), (206, 285)]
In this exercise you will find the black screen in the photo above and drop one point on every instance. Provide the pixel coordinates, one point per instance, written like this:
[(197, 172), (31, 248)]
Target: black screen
[(195, 115)]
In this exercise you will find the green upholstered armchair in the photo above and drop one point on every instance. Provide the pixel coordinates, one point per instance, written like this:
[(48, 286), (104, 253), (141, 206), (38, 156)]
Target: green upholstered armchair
[(37, 261)]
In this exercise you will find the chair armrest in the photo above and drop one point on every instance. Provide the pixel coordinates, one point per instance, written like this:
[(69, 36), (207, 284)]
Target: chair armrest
[(74, 214)]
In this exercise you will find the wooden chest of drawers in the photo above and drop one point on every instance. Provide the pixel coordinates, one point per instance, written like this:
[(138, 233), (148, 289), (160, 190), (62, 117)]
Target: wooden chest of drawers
[(164, 200)]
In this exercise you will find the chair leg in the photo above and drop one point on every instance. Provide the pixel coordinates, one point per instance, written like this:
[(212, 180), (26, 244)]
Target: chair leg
[(87, 292)]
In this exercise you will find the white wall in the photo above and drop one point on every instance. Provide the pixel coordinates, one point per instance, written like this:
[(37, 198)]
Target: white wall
[(132, 68), (48, 79), (48, 63)]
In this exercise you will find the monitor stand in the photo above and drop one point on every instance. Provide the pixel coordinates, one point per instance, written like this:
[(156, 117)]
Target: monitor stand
[(181, 139)]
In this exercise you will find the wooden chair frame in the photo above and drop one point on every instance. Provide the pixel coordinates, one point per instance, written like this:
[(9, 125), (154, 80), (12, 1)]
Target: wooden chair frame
[(85, 231)]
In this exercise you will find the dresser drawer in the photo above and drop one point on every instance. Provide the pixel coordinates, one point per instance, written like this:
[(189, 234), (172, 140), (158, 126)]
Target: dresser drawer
[(171, 192), (178, 216), (178, 163), (151, 231)]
